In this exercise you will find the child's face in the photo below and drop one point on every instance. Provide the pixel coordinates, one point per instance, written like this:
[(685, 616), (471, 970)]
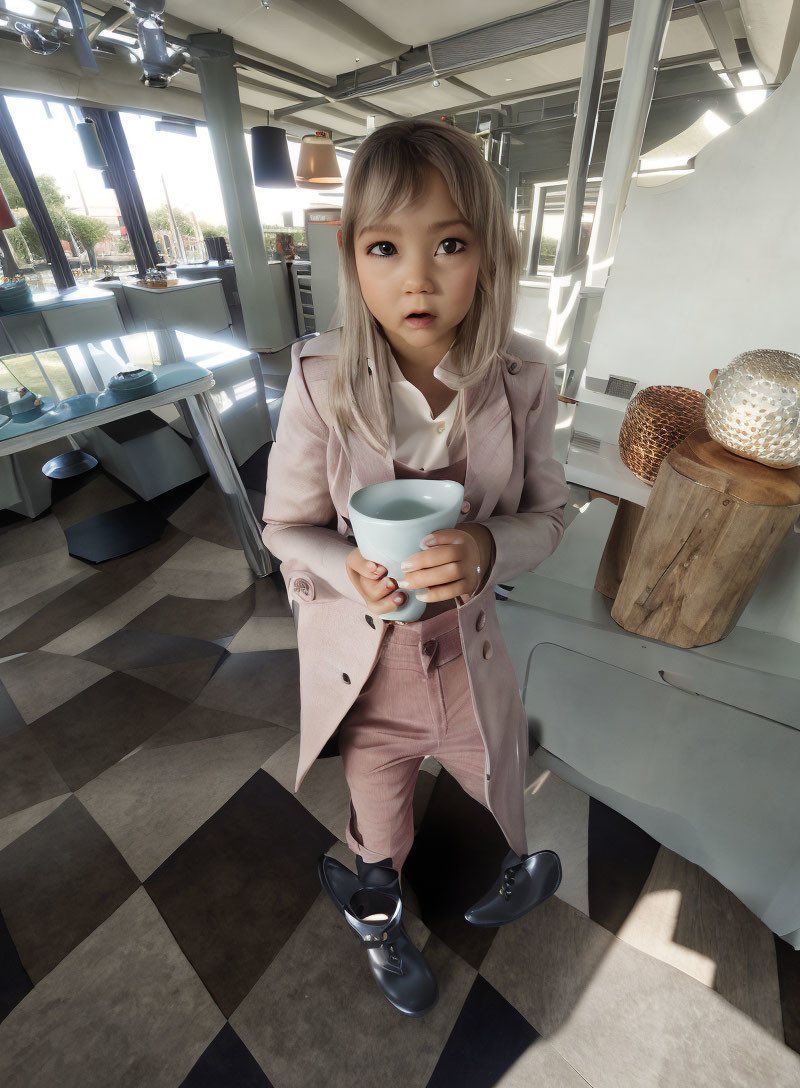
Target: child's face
[(426, 268)]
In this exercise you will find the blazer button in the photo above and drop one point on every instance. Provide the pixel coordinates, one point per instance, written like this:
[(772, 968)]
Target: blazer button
[(513, 367), (487, 650), (370, 621), (480, 622), (346, 678)]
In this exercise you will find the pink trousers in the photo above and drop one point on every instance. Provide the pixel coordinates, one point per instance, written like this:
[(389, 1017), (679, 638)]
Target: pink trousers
[(416, 702)]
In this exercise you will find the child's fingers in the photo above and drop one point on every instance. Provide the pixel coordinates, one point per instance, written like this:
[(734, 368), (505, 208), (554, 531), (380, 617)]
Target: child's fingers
[(382, 593)]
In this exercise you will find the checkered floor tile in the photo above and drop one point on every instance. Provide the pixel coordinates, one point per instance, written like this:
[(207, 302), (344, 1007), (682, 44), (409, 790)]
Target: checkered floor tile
[(161, 921)]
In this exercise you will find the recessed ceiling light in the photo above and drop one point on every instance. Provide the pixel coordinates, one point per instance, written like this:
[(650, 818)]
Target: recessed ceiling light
[(436, 83)]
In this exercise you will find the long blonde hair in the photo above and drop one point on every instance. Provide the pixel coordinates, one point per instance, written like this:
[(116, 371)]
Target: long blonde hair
[(389, 170)]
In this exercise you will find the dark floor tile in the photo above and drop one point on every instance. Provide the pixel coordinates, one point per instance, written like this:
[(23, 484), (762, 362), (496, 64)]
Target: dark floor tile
[(455, 857), (487, 1039), (169, 502), (27, 774), (10, 718), (102, 724), (227, 1064), (234, 892), (198, 618), (184, 679), (262, 684), (126, 529), (254, 471), (789, 981), (140, 649), (77, 497), (14, 980), (75, 605), (621, 856), (58, 882), (271, 598), (131, 427), (202, 723)]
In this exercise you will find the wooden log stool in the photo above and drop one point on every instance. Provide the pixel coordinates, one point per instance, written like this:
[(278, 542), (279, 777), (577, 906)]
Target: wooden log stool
[(685, 566)]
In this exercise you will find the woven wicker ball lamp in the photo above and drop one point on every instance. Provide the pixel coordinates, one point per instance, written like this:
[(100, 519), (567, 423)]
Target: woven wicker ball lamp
[(656, 420)]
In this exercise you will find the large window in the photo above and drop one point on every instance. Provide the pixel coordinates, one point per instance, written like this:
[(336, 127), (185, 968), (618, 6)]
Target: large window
[(178, 181), (21, 251), (83, 211)]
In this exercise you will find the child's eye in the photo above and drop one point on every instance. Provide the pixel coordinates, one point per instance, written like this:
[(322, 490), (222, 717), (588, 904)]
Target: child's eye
[(376, 245), (450, 242)]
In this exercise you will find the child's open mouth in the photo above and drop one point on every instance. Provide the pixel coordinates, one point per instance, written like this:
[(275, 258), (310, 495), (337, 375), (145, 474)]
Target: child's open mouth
[(420, 320)]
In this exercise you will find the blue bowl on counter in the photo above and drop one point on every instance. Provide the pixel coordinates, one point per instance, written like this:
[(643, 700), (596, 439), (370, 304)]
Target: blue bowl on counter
[(129, 384)]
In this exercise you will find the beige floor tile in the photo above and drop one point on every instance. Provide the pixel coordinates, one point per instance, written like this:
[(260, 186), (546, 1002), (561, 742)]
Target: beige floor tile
[(204, 569), (11, 618), (29, 539), (265, 633), (203, 585), (125, 1008), (152, 801), (107, 621), (39, 682), (557, 818), (686, 918), (204, 555), (615, 1013), (27, 577)]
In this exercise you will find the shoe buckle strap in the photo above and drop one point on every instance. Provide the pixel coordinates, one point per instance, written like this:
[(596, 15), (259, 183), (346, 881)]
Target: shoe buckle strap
[(374, 934)]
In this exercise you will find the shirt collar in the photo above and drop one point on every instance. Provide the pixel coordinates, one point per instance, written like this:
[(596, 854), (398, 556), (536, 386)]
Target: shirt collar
[(445, 367)]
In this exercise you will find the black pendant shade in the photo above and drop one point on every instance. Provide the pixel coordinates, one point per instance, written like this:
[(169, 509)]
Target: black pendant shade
[(272, 168)]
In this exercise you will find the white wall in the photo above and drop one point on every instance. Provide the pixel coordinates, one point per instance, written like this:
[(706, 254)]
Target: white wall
[(708, 265)]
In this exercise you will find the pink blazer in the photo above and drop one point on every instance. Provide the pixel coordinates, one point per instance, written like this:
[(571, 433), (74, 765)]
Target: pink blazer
[(514, 486)]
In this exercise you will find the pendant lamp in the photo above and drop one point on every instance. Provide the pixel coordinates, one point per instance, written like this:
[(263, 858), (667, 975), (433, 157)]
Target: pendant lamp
[(7, 220), (317, 167), (90, 142), (272, 168)]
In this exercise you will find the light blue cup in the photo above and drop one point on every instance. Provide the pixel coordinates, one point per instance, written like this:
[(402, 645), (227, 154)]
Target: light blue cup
[(390, 519)]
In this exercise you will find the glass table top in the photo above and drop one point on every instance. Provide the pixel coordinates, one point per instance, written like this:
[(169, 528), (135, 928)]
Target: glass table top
[(40, 389)]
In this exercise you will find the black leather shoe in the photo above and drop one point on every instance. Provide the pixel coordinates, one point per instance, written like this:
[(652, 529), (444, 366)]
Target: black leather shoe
[(523, 884), (373, 908)]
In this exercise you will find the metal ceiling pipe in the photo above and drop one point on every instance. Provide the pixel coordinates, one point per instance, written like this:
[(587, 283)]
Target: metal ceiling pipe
[(158, 66), (635, 95), (567, 273)]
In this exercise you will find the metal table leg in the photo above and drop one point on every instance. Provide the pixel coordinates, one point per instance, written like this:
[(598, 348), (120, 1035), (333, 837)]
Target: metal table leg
[(201, 418)]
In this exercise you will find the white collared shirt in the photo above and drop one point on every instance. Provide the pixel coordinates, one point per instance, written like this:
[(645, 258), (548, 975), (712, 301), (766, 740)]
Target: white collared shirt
[(419, 438)]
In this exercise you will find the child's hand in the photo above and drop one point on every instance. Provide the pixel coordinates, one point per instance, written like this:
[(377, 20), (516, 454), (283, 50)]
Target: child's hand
[(455, 565), (371, 582)]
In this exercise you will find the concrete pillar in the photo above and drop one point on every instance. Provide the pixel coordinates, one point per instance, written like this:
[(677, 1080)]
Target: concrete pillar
[(264, 310)]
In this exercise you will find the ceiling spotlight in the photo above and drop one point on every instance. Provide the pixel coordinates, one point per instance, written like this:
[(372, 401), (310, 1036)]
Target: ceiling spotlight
[(436, 83), (158, 65), (265, 4), (33, 40)]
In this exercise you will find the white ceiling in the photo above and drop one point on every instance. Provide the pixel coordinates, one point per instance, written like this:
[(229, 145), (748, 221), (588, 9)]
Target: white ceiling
[(321, 39)]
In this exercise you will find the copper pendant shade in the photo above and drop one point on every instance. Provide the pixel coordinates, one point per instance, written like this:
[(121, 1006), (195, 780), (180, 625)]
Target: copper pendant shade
[(272, 168), (317, 167), (7, 220)]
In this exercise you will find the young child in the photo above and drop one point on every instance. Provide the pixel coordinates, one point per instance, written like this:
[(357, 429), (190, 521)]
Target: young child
[(424, 379)]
